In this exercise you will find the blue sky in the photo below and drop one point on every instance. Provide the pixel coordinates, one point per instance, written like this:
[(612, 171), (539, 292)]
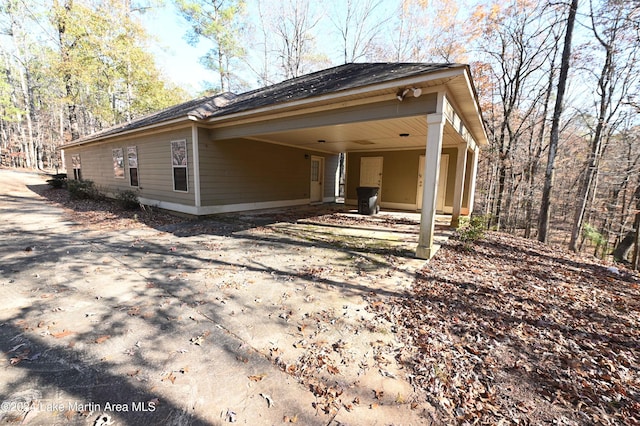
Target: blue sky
[(178, 60)]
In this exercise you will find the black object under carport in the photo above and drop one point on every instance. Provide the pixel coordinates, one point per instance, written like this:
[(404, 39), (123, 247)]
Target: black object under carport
[(368, 200)]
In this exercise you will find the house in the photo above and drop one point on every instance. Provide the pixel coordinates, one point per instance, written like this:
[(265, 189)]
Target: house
[(412, 129)]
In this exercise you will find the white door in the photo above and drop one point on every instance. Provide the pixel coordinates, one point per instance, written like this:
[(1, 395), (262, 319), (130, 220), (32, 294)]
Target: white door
[(371, 173), (442, 182), (420, 183), (317, 178)]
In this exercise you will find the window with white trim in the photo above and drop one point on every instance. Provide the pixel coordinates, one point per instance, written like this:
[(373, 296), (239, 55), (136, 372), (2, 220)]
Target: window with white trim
[(132, 160), (75, 162), (179, 165), (118, 163)]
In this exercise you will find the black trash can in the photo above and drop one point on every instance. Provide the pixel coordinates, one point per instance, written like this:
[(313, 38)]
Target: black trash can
[(367, 200)]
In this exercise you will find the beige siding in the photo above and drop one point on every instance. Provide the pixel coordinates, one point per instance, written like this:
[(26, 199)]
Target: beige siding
[(244, 171), (399, 175), (451, 175), (155, 174)]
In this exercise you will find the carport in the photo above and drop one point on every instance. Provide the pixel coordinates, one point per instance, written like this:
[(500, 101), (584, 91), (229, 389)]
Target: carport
[(278, 146), (410, 110)]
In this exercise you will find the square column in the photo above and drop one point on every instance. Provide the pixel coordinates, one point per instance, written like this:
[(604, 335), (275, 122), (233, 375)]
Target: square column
[(461, 167), (471, 189), (435, 127)]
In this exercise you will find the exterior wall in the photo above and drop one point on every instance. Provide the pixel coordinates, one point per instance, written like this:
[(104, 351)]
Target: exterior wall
[(242, 171), (155, 173), (399, 176), (451, 176)]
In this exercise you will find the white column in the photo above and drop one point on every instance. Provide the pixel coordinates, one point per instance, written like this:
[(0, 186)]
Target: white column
[(472, 181), (196, 165), (435, 126), (461, 168)]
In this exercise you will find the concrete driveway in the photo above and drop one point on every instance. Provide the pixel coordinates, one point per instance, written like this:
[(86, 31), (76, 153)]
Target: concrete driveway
[(229, 320)]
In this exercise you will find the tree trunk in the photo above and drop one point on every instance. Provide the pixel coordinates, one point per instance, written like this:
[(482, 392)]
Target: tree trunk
[(545, 204), (632, 238), (67, 77)]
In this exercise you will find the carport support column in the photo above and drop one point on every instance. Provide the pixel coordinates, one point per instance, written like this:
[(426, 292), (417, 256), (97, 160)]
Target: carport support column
[(435, 126), (471, 190), (461, 168)]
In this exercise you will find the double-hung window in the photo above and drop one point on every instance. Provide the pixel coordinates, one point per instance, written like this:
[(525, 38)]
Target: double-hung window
[(179, 165), (132, 160)]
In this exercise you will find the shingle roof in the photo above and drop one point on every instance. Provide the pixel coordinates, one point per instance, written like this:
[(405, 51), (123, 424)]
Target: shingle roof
[(331, 80)]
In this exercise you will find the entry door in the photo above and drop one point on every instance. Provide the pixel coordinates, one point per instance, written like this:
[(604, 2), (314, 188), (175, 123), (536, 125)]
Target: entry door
[(442, 182), (317, 178), (371, 172)]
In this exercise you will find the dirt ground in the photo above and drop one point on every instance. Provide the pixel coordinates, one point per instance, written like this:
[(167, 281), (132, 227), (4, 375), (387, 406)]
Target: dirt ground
[(313, 315), (257, 318)]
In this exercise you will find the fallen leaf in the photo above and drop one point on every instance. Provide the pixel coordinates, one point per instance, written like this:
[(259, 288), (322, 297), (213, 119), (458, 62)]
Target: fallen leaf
[(169, 377), (63, 333), (231, 416), (103, 339), (293, 419), (332, 370), (257, 378), (268, 398)]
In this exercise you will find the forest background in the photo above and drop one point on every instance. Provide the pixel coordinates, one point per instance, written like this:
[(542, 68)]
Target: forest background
[(558, 83)]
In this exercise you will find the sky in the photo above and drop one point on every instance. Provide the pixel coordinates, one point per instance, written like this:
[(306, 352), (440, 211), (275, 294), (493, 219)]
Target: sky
[(175, 57)]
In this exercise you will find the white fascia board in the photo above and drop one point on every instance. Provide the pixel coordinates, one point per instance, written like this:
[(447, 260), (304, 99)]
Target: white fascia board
[(186, 120), (450, 73)]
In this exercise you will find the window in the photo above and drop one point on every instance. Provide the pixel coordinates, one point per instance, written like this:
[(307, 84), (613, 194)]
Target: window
[(118, 163), (75, 162), (132, 160), (179, 164)]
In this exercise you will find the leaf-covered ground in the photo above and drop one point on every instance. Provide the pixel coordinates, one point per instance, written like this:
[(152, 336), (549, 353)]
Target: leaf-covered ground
[(511, 332), (517, 332)]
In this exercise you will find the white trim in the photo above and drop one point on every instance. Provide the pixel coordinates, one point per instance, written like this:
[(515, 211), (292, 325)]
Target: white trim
[(179, 166), (113, 137), (226, 208), (321, 173), (196, 165), (434, 75)]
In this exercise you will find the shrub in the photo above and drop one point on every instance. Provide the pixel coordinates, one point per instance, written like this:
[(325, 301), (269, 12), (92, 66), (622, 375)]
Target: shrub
[(470, 230), (58, 180), (83, 190), (128, 200)]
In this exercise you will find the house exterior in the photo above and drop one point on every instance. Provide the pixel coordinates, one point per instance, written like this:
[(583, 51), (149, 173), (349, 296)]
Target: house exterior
[(413, 130)]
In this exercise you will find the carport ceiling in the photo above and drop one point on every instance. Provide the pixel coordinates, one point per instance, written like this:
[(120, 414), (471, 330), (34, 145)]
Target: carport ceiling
[(362, 136)]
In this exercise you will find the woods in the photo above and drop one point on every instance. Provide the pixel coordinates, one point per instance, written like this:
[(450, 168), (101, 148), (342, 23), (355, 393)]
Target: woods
[(558, 84)]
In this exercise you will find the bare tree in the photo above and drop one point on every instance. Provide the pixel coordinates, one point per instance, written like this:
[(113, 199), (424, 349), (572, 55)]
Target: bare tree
[(358, 27), (545, 204), (294, 30), (617, 76)]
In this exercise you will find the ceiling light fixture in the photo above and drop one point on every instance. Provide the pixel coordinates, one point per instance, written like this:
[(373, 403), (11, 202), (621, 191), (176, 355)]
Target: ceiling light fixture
[(321, 141), (404, 135)]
